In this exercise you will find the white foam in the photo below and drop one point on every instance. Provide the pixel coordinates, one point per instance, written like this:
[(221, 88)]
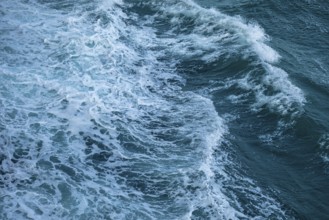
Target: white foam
[(212, 35), (102, 80), (288, 96), (209, 34), (324, 147), (324, 142)]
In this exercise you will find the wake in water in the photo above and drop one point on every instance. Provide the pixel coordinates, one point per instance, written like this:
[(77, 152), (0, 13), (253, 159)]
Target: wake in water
[(97, 122)]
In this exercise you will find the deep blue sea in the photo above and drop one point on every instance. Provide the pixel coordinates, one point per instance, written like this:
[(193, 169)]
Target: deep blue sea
[(164, 110)]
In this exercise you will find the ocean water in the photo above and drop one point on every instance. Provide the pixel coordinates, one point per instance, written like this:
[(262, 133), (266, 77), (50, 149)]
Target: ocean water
[(176, 109)]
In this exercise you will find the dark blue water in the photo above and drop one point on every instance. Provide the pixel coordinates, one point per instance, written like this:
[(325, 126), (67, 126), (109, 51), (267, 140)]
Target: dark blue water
[(173, 109)]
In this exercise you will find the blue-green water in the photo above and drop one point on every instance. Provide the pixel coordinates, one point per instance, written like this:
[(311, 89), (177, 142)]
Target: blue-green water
[(173, 109)]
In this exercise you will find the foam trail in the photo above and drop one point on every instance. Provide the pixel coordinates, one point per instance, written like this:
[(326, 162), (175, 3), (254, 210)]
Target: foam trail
[(324, 148), (97, 116), (211, 36)]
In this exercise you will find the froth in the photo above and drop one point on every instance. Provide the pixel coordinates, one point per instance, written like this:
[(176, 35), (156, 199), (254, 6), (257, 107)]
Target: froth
[(210, 36), (115, 131), (324, 147), (114, 128), (211, 30)]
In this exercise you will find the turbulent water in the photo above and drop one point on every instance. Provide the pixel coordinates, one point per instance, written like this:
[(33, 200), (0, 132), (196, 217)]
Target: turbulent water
[(175, 109)]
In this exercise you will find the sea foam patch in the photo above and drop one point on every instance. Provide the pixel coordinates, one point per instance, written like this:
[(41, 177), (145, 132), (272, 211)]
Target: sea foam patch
[(104, 122), (208, 35)]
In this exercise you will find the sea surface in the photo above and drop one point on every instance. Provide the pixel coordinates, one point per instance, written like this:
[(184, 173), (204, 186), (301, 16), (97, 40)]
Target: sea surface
[(175, 109)]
